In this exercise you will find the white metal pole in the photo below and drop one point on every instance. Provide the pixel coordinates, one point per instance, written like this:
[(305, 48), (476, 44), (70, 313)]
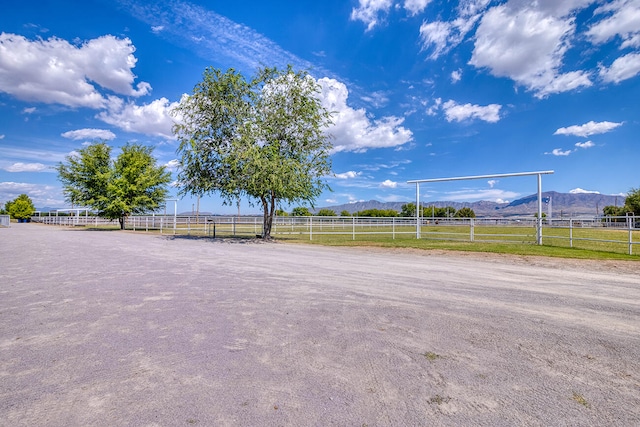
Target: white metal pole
[(570, 232), (175, 215), (417, 210), (630, 237), (539, 209), (471, 231)]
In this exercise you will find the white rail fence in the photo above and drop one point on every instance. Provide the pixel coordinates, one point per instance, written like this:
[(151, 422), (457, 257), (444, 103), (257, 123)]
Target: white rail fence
[(623, 233), (5, 221)]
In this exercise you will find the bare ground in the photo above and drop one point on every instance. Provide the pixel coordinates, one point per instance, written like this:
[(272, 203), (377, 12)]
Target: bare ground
[(110, 328)]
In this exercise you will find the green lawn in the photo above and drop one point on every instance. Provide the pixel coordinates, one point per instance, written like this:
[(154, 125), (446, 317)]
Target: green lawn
[(518, 240)]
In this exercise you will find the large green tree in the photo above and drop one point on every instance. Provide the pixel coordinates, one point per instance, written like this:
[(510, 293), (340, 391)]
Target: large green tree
[(131, 184), (632, 202), (20, 208), (264, 138)]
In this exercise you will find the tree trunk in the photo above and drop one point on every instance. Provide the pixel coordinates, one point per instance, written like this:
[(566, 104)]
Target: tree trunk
[(269, 208), (121, 220)]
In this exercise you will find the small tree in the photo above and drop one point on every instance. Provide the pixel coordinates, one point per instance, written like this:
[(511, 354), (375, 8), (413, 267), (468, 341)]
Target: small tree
[(408, 210), (614, 211), (449, 212), (264, 138), (381, 213), (300, 211), (20, 208), (465, 212), (326, 212), (345, 213), (132, 184), (632, 202)]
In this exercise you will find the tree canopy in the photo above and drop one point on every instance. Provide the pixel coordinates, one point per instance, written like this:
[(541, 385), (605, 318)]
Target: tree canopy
[(381, 213), (20, 208), (632, 202), (611, 210), (300, 211), (326, 212), (465, 212), (131, 184), (264, 138)]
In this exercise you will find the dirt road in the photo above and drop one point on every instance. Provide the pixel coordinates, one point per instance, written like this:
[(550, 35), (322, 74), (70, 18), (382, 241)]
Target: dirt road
[(108, 328)]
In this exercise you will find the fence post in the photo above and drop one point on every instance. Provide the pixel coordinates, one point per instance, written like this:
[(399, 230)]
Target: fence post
[(630, 238), (393, 228), (570, 232), (471, 231), (310, 228), (353, 220)]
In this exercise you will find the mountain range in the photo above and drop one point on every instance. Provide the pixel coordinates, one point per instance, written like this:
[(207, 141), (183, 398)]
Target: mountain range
[(554, 205)]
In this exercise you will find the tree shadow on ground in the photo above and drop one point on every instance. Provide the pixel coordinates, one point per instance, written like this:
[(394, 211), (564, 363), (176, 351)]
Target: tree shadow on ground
[(228, 240)]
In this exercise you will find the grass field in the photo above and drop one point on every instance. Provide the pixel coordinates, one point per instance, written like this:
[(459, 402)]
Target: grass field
[(510, 237), (586, 243)]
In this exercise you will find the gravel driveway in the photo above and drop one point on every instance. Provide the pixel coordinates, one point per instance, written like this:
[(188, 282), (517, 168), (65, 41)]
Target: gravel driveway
[(110, 328)]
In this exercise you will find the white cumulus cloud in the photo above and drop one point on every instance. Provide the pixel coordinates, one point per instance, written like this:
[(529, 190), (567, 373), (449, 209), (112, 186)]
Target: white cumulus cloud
[(581, 191), (528, 44), (55, 71), (588, 129), (388, 184), (461, 112), (150, 119), (40, 194), (623, 68), (353, 129), (89, 134), (623, 20), (586, 144), (559, 152), (172, 164), (436, 35), (415, 7), (26, 167), (369, 11), (441, 36), (348, 175)]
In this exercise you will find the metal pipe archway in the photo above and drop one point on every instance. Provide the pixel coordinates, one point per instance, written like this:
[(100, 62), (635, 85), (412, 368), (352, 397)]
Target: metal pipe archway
[(499, 175)]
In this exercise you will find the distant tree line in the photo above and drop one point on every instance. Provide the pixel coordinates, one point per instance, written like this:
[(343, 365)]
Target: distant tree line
[(407, 211), (631, 205)]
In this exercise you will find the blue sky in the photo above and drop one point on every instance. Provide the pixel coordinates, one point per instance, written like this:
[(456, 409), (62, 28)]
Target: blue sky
[(420, 88)]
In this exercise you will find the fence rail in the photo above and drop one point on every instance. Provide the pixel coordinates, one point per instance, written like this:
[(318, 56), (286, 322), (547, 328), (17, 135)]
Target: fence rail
[(5, 221), (614, 234)]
